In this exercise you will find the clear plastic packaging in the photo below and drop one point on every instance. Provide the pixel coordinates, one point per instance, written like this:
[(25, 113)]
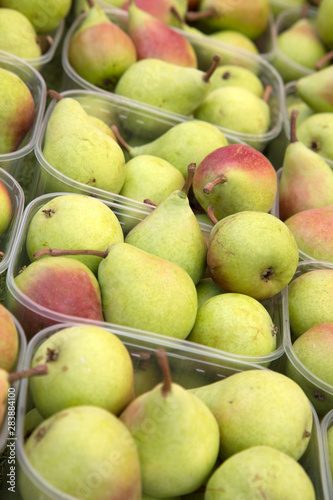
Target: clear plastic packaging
[(326, 424), (22, 306), (12, 162), (189, 368), (205, 49), (17, 199)]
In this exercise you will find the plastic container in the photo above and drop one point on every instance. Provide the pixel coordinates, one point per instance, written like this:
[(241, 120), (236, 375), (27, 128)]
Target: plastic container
[(17, 199), (189, 368), (326, 424), (319, 392), (205, 49), (12, 162), (22, 306), (5, 428)]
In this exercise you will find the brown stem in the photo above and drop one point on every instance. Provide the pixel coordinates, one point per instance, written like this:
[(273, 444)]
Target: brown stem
[(91, 3), (58, 252), (210, 213), (221, 179), (267, 93), (175, 12), (304, 10), (149, 202), (190, 174), (119, 138), (54, 95), (38, 370), (215, 63), (165, 367), (325, 59), (293, 116), (1, 256), (193, 16)]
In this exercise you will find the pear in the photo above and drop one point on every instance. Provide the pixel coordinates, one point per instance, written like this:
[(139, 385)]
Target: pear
[(100, 51), (260, 471), (78, 149), (313, 232), (235, 323), (84, 452), (170, 12), (316, 133), (166, 85), (259, 407), (9, 340), (174, 429), (236, 39), (154, 39), (306, 180), (172, 232), (324, 22), (6, 208), (17, 35), (294, 102), (310, 300), (104, 127), (206, 289), (184, 143), (230, 74), (315, 90), (17, 110)]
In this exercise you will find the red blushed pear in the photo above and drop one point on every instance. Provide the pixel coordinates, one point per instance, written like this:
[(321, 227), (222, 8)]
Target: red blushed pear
[(5, 208), (9, 340), (235, 178), (62, 285), (154, 39), (167, 11)]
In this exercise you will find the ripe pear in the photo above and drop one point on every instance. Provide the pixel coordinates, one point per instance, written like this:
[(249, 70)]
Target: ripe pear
[(306, 180), (316, 133), (260, 471), (6, 208), (9, 340), (74, 221), (104, 127), (154, 39), (85, 452), (87, 365), (259, 407), (238, 76), (172, 232), (78, 149), (17, 35), (100, 51), (17, 110), (235, 323), (235, 178), (170, 12), (174, 429), (313, 232), (324, 22), (206, 289), (310, 300), (236, 39), (315, 90)]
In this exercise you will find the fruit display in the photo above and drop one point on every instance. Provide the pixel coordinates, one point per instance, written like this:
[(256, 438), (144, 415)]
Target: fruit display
[(166, 222)]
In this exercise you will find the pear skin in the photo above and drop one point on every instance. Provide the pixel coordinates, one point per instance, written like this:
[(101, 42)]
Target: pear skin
[(316, 90)]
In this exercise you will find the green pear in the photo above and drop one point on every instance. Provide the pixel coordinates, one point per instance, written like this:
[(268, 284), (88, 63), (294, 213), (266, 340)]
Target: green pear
[(235, 323), (236, 39), (206, 289), (87, 365), (306, 180), (85, 452), (17, 35), (147, 292), (150, 177), (6, 208), (259, 407), (166, 85), (149, 497), (230, 74), (324, 22), (9, 340), (315, 90), (104, 127), (237, 109), (74, 221), (17, 110), (172, 232), (260, 471), (316, 133), (184, 143), (31, 420), (310, 300), (253, 253), (100, 51), (78, 149), (313, 232), (294, 102), (45, 16), (174, 429)]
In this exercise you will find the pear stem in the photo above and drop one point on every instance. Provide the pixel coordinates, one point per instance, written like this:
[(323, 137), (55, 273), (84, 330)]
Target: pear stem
[(49, 40), (149, 202), (119, 138), (215, 63), (165, 367), (58, 252), (1, 256), (190, 174), (267, 93), (54, 95), (175, 12), (193, 16), (38, 370), (325, 59), (210, 213), (293, 116), (304, 10), (91, 3), (221, 179)]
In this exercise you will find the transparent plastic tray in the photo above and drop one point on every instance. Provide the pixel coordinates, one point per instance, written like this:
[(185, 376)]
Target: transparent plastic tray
[(17, 199), (189, 368), (12, 162), (326, 424), (205, 49), (22, 306)]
